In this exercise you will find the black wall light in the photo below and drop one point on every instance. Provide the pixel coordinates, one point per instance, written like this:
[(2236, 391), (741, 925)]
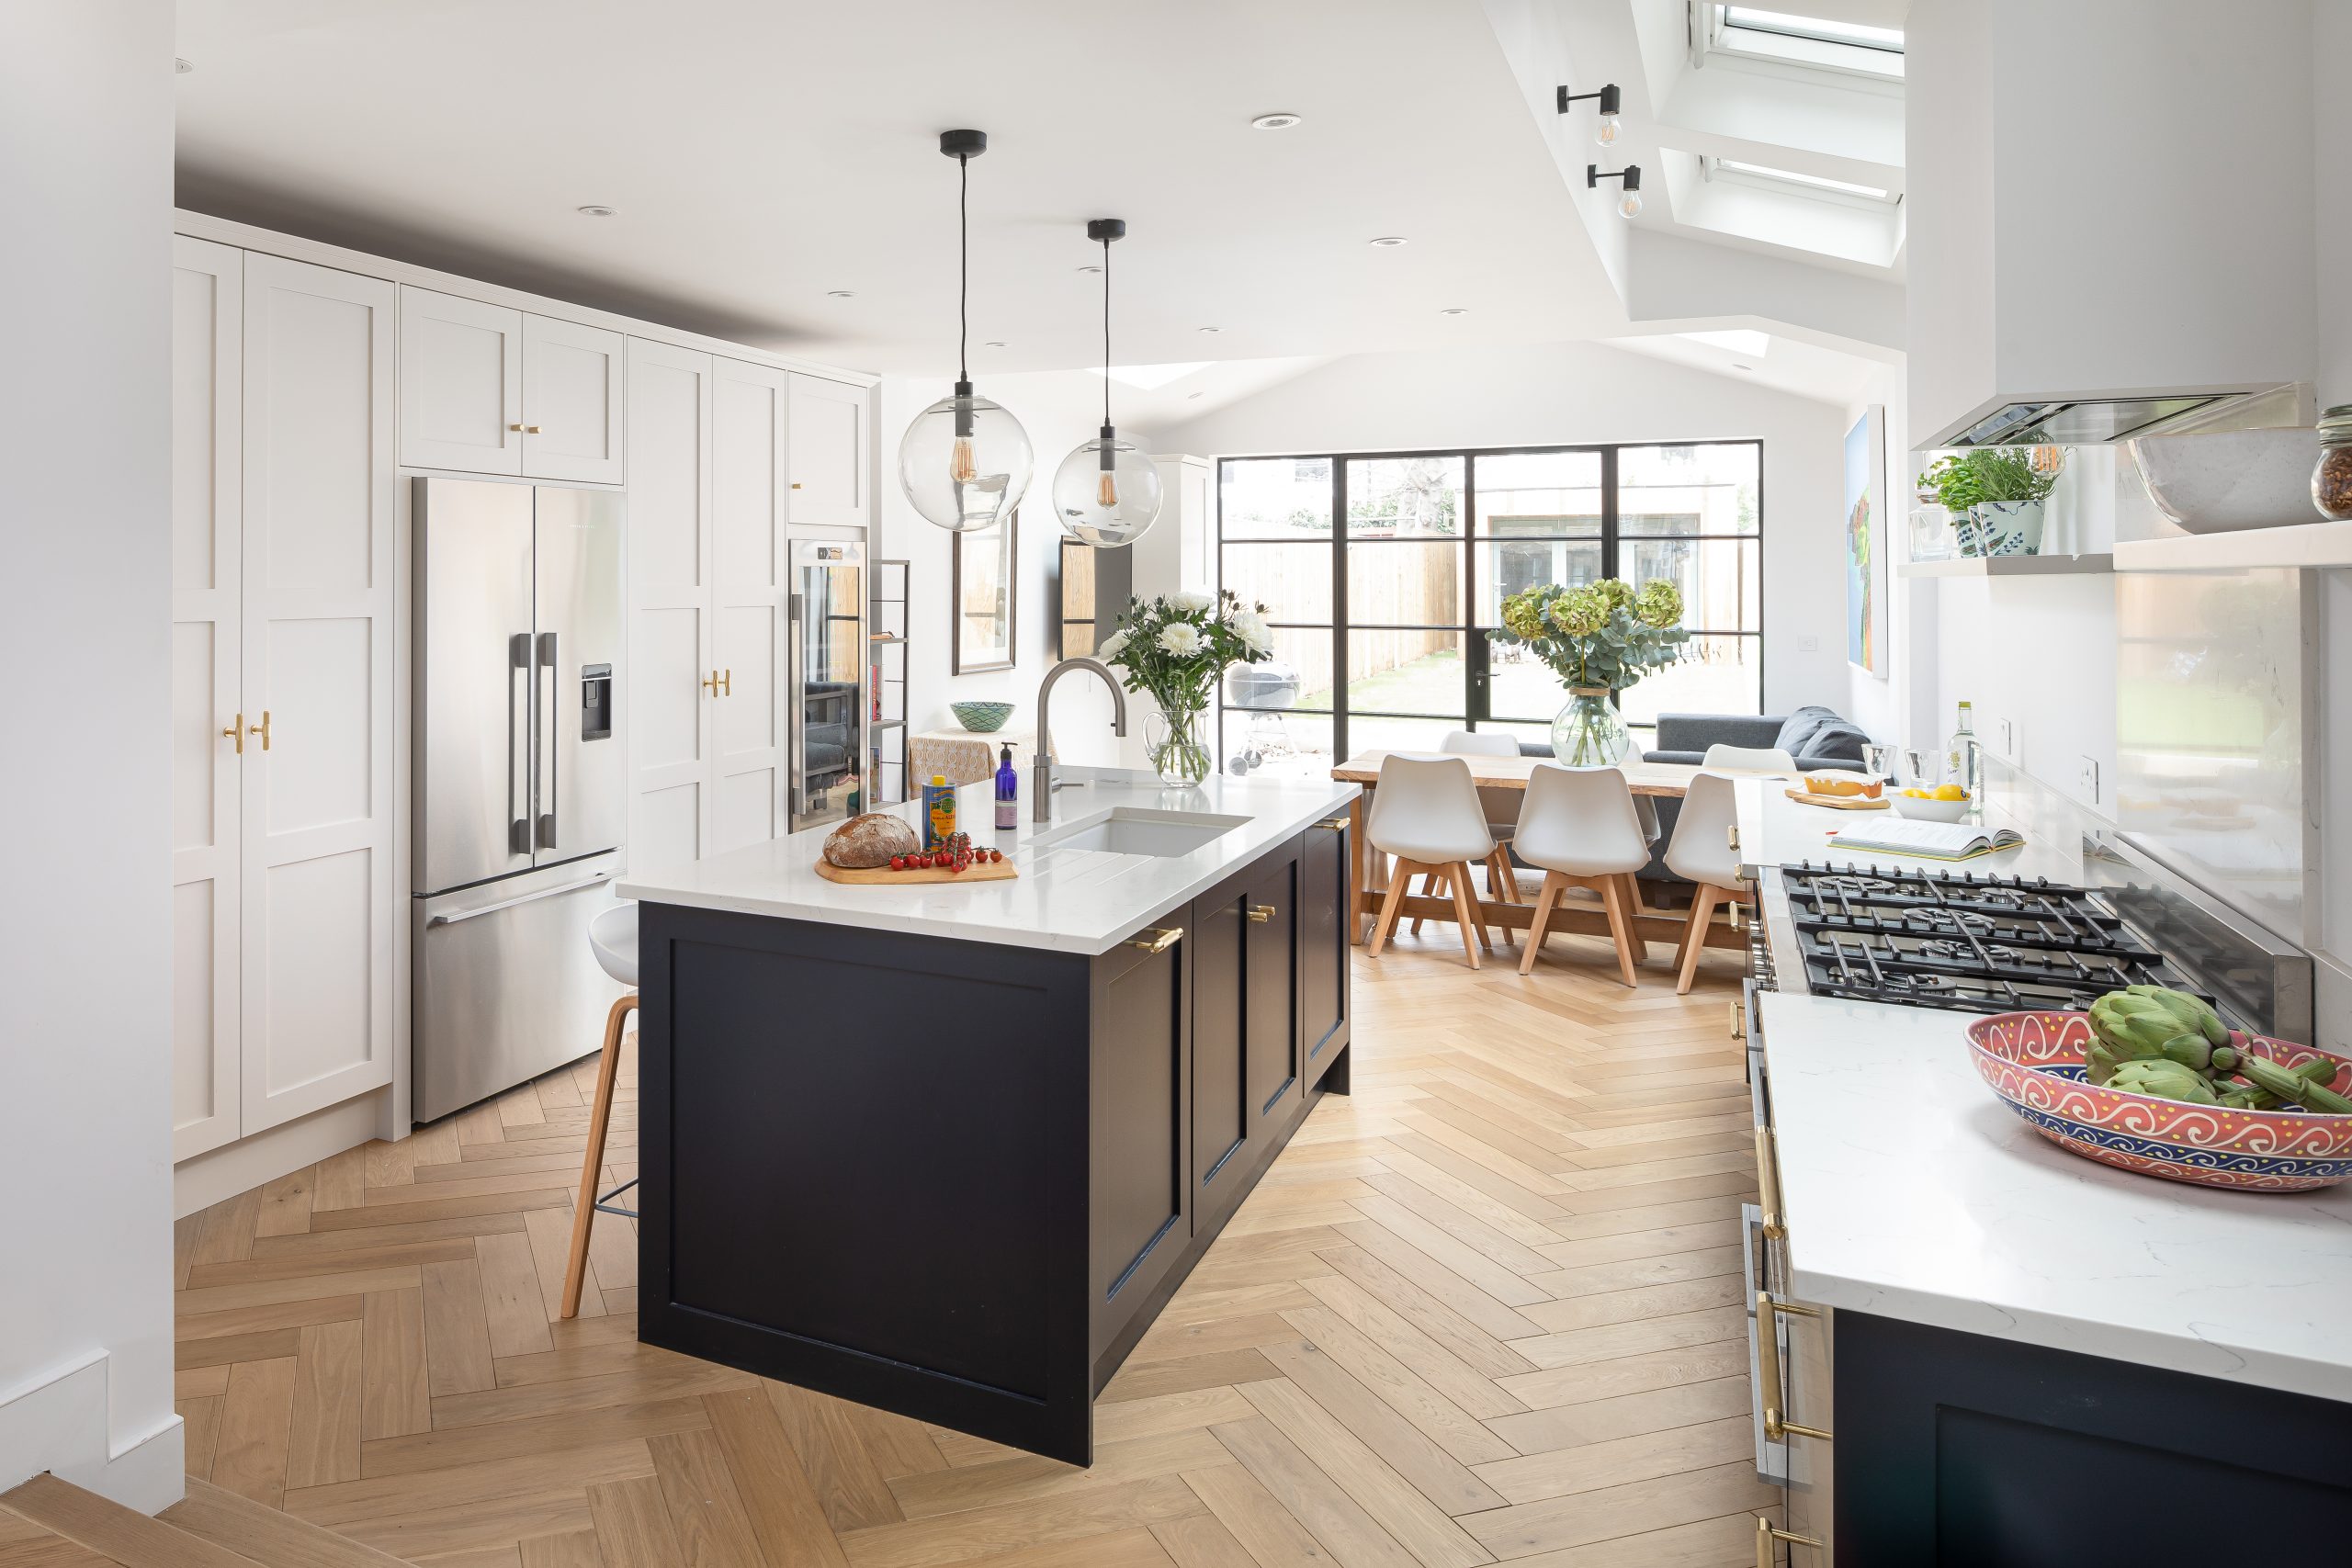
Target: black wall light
[(1628, 204), (1610, 127)]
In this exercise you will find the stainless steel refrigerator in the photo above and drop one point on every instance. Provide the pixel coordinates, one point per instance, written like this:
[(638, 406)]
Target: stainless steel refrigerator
[(520, 788)]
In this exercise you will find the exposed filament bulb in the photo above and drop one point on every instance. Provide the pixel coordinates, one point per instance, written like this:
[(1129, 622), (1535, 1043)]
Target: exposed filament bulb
[(1106, 491), (962, 468)]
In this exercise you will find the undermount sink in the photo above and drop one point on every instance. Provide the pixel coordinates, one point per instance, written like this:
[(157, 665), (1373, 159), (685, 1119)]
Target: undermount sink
[(1139, 830)]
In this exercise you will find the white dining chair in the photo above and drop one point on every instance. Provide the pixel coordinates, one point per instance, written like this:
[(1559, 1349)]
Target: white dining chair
[(1501, 807), (1701, 854), (1751, 760), (611, 936), (1579, 826), (1425, 811)]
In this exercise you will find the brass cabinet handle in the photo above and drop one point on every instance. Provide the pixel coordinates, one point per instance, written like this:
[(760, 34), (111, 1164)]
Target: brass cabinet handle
[(1768, 1184), (1767, 1532), (1157, 941), (726, 682), (1768, 1366), (1732, 833), (1260, 913), (795, 484), (530, 430), (261, 729), (710, 682), (1739, 1020), (1336, 824), (514, 427), (236, 732)]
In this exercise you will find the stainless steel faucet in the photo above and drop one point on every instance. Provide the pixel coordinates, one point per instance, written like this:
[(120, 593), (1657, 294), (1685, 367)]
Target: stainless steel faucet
[(1041, 771)]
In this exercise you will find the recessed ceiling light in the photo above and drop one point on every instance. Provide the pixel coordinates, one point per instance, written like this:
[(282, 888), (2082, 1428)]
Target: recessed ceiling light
[(1389, 242), (841, 293), (181, 66), (1454, 311), (1211, 329), (996, 344), (1189, 396), (1737, 365), (1089, 268), (594, 211), (1282, 119)]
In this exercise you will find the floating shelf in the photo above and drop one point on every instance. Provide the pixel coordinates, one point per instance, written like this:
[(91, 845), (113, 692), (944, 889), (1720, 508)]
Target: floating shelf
[(2294, 545), (2007, 566)]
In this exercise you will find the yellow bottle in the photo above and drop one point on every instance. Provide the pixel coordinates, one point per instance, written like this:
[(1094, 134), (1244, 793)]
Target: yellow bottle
[(938, 811)]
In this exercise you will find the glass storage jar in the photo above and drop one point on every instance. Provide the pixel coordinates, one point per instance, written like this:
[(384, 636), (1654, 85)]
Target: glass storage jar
[(2332, 480)]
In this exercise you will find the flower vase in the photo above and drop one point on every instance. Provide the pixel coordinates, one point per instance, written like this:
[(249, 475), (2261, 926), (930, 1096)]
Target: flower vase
[(1178, 738), (1589, 732)]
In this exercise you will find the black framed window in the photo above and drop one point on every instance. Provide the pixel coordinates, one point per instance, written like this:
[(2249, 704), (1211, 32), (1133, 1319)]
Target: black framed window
[(1384, 576)]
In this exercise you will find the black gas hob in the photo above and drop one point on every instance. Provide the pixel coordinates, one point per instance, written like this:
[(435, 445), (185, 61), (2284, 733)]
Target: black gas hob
[(1958, 941)]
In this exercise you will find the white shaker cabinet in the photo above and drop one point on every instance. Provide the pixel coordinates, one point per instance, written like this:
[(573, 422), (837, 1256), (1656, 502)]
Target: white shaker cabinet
[(207, 727), (320, 529), (673, 700), (748, 609), (827, 425), (488, 389)]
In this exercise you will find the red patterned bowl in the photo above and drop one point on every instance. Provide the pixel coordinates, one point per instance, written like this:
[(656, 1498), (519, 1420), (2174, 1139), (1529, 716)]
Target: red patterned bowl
[(2036, 1062)]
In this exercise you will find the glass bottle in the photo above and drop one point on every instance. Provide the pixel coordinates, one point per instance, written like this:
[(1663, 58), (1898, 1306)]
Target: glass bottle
[(1008, 792), (1964, 757)]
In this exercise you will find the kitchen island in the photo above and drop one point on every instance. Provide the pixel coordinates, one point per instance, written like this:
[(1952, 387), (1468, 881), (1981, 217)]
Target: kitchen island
[(946, 1149)]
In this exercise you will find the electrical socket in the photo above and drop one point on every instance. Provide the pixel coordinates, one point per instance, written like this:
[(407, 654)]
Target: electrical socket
[(2005, 732), (1808, 645), (2086, 779)]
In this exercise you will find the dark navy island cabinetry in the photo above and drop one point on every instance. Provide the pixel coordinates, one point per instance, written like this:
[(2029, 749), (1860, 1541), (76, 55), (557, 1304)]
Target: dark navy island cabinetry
[(957, 1178)]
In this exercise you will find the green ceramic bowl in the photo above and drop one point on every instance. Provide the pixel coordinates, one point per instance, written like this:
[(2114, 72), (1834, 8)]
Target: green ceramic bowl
[(981, 718)]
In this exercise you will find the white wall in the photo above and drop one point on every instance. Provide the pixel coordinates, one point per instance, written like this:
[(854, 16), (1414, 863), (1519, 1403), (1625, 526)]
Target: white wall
[(86, 1313), (1058, 409), (1554, 393)]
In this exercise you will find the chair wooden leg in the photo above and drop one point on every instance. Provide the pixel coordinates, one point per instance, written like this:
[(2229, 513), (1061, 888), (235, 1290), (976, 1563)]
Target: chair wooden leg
[(1612, 894), (608, 1066), (1554, 883), (1702, 909), (1504, 886), (1635, 910), (1431, 886), (1400, 877), (1466, 909)]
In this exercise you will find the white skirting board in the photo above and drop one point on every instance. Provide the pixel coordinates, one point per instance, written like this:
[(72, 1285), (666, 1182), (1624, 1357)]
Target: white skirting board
[(224, 1172), (58, 1422)]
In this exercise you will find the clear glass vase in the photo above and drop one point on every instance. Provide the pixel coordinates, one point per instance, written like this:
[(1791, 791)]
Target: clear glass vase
[(1178, 741), (1589, 732)]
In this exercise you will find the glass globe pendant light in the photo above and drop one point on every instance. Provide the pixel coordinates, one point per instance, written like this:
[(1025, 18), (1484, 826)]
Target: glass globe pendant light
[(963, 461), (1107, 491)]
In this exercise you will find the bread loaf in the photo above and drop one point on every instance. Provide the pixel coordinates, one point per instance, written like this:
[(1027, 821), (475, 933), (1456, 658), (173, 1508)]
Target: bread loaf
[(863, 842)]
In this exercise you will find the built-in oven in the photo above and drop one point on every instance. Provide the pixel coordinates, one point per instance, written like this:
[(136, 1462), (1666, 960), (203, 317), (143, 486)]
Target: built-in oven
[(826, 664)]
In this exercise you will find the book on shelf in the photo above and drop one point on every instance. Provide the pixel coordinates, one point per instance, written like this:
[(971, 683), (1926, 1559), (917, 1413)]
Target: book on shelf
[(1927, 841)]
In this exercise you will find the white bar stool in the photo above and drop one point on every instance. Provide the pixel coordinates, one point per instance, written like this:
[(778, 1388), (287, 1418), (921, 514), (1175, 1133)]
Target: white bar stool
[(1579, 826), (613, 936)]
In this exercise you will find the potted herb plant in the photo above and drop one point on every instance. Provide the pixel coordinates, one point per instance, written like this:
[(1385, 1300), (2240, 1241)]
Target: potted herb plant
[(1175, 647), (1998, 496), (1598, 638)]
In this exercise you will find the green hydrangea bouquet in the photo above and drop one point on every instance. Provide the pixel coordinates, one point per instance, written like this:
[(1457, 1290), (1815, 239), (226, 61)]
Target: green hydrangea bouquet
[(1599, 637)]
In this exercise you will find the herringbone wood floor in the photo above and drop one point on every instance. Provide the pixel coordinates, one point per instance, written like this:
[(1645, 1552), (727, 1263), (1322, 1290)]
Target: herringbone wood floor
[(1487, 1308)]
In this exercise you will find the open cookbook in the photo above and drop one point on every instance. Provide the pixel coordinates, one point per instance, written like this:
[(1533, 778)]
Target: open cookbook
[(1929, 840)]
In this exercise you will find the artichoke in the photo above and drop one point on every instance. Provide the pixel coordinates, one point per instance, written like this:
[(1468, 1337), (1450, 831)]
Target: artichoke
[(2164, 1079), (2195, 1013)]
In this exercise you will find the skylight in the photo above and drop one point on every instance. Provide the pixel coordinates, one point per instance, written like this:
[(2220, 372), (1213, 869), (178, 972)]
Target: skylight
[(1766, 175), (1791, 38)]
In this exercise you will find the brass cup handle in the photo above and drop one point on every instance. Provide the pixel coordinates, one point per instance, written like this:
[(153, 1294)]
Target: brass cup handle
[(236, 732), (1336, 824), (1158, 940), (1739, 1020), (1768, 1184), (1768, 1366), (261, 729), (1260, 913), (1767, 1532), (795, 484)]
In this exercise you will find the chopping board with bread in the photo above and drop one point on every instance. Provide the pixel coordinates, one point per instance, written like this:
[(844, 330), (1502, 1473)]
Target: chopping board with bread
[(878, 849)]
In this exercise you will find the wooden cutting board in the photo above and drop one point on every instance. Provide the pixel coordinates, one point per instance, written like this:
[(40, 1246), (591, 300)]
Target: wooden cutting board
[(883, 876), (1838, 801)]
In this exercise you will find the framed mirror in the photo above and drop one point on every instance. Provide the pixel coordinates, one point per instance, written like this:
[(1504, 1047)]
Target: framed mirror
[(981, 590)]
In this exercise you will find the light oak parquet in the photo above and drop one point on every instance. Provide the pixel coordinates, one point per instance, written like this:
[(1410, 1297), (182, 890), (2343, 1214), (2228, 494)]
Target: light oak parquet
[(1488, 1308)]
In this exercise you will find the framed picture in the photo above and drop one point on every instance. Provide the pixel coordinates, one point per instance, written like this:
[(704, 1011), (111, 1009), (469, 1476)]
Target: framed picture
[(1866, 543), (981, 590)]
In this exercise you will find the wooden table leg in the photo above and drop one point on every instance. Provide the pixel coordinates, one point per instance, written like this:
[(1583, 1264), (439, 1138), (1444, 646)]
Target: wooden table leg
[(1355, 866)]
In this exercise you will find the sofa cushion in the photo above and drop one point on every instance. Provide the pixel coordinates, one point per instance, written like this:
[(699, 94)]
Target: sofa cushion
[(1820, 732)]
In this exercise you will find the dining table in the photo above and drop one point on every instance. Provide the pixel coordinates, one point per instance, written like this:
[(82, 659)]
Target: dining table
[(1368, 869)]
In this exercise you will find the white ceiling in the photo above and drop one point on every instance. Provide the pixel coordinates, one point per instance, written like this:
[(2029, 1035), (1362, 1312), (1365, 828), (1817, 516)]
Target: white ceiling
[(762, 154)]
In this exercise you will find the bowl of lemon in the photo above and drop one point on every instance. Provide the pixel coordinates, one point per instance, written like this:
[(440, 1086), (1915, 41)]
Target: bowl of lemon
[(1945, 803)]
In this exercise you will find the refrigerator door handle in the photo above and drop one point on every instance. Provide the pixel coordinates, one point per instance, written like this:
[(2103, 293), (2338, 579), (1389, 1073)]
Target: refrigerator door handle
[(554, 744), (463, 915), (797, 711), (518, 743)]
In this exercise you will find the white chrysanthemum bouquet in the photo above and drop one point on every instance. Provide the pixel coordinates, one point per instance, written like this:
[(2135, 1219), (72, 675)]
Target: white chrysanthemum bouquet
[(1175, 648)]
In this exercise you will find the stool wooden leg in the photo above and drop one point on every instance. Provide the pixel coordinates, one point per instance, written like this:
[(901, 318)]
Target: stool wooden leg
[(575, 1269)]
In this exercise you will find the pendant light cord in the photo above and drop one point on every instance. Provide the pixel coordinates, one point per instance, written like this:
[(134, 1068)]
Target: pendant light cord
[(962, 268), (1106, 332)]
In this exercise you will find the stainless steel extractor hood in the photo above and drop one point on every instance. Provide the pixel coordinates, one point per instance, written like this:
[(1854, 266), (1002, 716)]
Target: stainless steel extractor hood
[(2100, 420)]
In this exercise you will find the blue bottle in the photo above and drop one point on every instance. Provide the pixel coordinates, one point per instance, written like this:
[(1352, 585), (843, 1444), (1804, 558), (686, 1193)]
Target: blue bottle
[(1008, 792)]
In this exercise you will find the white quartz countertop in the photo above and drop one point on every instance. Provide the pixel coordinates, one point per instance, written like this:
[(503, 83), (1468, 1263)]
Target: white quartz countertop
[(1775, 830), (1910, 1191), (1065, 900)]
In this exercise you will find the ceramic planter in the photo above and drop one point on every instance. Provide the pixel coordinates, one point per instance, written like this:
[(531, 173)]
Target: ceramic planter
[(2003, 528)]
